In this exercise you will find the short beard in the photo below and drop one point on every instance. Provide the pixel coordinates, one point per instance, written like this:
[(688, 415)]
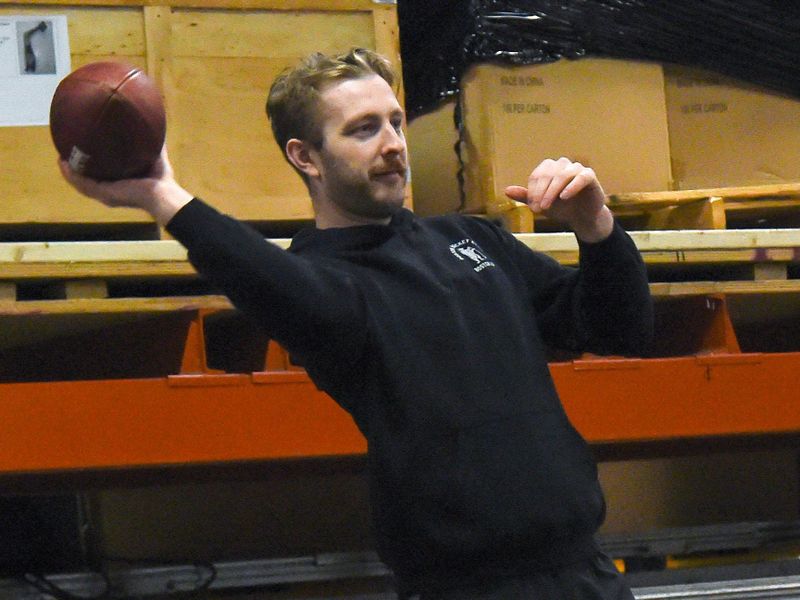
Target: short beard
[(358, 200)]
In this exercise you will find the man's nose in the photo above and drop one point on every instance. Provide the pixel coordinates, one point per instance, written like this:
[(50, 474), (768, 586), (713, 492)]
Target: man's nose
[(394, 142)]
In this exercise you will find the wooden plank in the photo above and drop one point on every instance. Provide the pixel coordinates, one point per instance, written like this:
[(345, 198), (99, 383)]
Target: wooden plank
[(697, 257), (708, 288), (789, 190), (515, 218), (134, 269), (387, 42), (765, 204), (278, 34), (680, 240), (687, 210), (104, 270), (161, 304), (8, 292), (33, 252), (387, 39), (39, 260), (765, 271), (707, 213), (326, 5), (157, 29), (99, 252), (83, 288), (114, 305)]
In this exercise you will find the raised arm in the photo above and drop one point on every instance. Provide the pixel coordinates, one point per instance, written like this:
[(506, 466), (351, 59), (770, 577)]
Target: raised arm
[(604, 306), (569, 193)]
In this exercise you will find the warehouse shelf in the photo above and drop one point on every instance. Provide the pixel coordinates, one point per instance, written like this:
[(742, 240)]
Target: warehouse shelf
[(184, 379)]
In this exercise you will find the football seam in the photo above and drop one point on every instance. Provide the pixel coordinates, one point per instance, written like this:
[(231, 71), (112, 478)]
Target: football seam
[(83, 157)]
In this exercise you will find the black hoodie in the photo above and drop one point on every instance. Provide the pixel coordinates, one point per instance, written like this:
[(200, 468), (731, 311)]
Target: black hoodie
[(432, 334)]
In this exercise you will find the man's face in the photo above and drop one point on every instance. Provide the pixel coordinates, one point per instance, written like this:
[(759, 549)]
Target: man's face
[(362, 162)]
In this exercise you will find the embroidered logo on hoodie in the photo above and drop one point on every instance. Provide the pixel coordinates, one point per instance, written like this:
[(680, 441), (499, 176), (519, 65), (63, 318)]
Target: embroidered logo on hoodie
[(468, 250)]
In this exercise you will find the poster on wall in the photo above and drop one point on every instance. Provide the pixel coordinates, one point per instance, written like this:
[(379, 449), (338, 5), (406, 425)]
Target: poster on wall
[(34, 57)]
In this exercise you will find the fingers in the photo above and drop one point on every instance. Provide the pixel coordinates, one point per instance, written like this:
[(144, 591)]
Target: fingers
[(585, 178), (558, 179), (517, 192), (109, 193), (78, 181), (63, 166), (162, 167), (123, 192), (156, 193)]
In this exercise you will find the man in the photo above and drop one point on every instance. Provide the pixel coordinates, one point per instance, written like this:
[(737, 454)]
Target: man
[(432, 333)]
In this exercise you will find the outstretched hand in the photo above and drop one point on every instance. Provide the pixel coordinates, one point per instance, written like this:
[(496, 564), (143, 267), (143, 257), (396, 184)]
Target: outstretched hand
[(570, 193), (156, 193)]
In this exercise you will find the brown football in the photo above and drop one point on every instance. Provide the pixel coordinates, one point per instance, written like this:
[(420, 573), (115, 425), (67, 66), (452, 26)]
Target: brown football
[(107, 119)]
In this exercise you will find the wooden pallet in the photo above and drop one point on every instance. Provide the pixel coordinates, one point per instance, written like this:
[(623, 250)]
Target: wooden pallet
[(775, 205), (56, 290), (86, 269), (710, 208)]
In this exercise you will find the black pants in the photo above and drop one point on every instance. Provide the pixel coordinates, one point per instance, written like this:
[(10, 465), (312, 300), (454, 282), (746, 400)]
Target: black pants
[(594, 579)]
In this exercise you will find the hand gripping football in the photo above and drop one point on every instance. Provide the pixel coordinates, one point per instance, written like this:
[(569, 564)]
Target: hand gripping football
[(107, 119)]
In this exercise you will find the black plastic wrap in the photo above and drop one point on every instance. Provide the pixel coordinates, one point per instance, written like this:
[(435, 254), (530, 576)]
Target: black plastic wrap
[(752, 40)]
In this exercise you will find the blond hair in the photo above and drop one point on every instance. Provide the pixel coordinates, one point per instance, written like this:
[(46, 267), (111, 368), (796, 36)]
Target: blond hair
[(293, 100)]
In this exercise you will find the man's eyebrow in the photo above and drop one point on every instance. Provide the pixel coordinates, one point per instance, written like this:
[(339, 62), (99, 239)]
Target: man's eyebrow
[(361, 118), (371, 116)]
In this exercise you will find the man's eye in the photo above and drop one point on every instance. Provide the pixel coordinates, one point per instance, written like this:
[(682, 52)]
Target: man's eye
[(364, 129)]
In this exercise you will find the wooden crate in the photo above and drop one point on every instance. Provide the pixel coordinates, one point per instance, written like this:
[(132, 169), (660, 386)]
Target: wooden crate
[(214, 61)]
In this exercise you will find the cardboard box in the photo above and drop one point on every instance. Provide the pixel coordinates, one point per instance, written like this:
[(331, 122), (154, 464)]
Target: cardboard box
[(725, 132), (434, 163), (607, 114)]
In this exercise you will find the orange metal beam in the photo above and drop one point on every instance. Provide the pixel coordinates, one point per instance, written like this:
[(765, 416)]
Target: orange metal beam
[(208, 418), (204, 416), (169, 421), (696, 396)]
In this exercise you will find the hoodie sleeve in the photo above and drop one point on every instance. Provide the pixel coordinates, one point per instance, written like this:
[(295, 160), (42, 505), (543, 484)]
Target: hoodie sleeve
[(603, 306), (303, 305), (616, 309)]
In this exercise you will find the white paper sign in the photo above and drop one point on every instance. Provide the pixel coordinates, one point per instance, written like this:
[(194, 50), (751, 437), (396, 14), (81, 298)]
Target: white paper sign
[(34, 57)]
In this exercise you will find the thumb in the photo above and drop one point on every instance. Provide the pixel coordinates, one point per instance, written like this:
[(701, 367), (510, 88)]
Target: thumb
[(517, 192)]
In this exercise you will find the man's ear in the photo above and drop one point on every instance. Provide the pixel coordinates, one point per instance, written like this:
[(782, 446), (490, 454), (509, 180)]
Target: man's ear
[(302, 156)]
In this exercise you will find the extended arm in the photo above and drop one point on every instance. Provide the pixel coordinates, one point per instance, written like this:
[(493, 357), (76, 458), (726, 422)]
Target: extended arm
[(298, 302)]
